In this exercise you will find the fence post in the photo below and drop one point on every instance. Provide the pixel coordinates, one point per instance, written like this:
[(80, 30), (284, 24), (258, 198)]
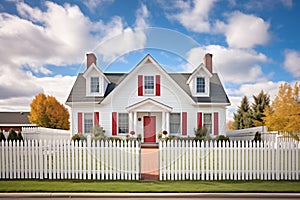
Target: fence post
[(88, 148)]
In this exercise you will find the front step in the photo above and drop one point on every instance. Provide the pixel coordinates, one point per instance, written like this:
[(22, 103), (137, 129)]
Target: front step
[(150, 145)]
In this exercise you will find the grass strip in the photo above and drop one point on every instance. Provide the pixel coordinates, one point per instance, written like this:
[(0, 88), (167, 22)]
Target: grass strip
[(147, 186)]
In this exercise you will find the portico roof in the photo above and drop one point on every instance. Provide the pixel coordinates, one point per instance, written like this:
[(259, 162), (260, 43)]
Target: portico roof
[(149, 105)]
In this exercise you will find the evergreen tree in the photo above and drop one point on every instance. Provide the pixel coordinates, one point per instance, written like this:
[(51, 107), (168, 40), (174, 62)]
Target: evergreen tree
[(243, 117), (261, 102)]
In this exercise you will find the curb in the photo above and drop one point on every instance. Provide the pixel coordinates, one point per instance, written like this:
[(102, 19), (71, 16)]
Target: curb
[(151, 195)]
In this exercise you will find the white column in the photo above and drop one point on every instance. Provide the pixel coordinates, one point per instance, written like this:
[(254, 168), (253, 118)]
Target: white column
[(135, 121), (163, 115), (168, 122), (131, 125)]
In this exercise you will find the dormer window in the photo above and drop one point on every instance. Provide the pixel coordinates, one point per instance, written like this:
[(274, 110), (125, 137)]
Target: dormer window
[(148, 85), (200, 85), (94, 84)]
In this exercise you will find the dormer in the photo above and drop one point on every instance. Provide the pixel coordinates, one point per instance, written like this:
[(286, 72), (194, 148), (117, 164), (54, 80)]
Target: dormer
[(96, 81), (199, 81)]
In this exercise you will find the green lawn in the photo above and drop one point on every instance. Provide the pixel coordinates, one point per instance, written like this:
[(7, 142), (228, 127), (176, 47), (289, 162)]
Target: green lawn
[(147, 186)]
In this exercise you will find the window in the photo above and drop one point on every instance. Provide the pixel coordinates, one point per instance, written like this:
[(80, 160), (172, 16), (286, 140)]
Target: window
[(200, 85), (174, 123), (207, 122), (148, 84), (123, 123), (88, 122), (94, 84)]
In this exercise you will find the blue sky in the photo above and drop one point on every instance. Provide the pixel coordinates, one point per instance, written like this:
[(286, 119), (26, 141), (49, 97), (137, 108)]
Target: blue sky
[(255, 44)]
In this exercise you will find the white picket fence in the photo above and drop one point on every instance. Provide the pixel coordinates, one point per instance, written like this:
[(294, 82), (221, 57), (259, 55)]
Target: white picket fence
[(234, 160), (41, 133), (37, 159)]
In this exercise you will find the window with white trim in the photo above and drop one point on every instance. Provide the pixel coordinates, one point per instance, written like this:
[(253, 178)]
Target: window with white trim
[(175, 123), (207, 122), (148, 85), (200, 85), (123, 123), (88, 122), (94, 84)]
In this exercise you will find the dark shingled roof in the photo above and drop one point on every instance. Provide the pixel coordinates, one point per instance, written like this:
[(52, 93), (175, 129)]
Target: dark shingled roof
[(217, 92), (14, 118), (78, 92)]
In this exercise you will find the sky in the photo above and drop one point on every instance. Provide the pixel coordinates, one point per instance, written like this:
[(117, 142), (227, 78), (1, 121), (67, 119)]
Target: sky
[(255, 44)]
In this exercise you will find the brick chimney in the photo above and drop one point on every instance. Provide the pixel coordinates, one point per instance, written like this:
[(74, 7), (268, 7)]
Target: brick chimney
[(208, 62), (90, 58)]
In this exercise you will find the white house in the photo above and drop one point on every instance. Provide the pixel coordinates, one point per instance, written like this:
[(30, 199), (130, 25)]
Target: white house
[(148, 100)]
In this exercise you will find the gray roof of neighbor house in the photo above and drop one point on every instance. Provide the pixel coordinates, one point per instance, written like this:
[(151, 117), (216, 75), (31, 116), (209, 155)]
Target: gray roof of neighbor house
[(14, 118), (217, 92)]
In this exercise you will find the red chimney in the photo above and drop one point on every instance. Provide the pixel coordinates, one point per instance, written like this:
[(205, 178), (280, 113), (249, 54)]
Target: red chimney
[(90, 58), (208, 62)]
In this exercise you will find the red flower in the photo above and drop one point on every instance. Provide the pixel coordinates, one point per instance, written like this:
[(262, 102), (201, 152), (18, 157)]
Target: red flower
[(132, 132), (165, 132)]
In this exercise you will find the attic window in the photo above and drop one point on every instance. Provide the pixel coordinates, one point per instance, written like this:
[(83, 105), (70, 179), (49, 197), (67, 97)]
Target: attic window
[(94, 84), (200, 85)]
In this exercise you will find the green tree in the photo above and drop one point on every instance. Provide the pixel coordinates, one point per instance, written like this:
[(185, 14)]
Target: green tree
[(12, 134), (47, 112), (243, 117), (284, 113), (261, 102)]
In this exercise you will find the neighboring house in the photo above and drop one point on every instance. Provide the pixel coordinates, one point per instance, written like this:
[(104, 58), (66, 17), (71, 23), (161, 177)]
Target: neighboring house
[(14, 120), (148, 100)]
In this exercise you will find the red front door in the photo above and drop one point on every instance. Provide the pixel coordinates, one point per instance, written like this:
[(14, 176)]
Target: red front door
[(149, 129)]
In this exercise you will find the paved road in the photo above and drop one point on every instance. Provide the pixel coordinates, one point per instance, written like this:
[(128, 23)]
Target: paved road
[(148, 196)]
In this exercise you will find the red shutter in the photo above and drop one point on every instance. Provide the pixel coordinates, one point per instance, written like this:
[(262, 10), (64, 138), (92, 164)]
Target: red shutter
[(157, 87), (199, 119), (96, 118), (140, 85), (216, 123), (79, 122), (114, 123), (184, 123)]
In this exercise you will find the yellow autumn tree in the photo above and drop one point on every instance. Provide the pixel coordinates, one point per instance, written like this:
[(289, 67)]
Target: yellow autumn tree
[(47, 112), (284, 113)]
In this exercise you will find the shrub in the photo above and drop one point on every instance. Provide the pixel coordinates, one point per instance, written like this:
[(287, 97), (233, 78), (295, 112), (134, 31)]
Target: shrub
[(159, 136), (257, 137), (2, 136), (12, 135), (115, 139), (139, 137), (78, 137), (19, 136), (201, 132), (98, 133), (222, 138)]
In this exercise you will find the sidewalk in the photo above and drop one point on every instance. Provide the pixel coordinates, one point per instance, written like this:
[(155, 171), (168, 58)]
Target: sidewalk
[(150, 195)]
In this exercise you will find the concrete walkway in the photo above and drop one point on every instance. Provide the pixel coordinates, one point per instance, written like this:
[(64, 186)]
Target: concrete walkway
[(149, 164)]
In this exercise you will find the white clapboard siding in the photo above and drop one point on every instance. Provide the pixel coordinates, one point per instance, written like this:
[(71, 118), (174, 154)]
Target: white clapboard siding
[(234, 160), (62, 159)]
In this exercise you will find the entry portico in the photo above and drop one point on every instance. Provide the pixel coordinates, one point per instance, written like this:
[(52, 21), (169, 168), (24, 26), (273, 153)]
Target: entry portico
[(148, 118)]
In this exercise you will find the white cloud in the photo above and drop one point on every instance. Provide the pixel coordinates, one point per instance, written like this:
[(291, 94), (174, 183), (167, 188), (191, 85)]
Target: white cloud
[(243, 30), (58, 35), (93, 4), (291, 62), (232, 65), (193, 15)]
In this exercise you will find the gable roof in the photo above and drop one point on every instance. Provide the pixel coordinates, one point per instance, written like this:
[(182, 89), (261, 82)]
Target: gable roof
[(91, 67), (149, 101), (194, 73), (217, 92), (14, 118)]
